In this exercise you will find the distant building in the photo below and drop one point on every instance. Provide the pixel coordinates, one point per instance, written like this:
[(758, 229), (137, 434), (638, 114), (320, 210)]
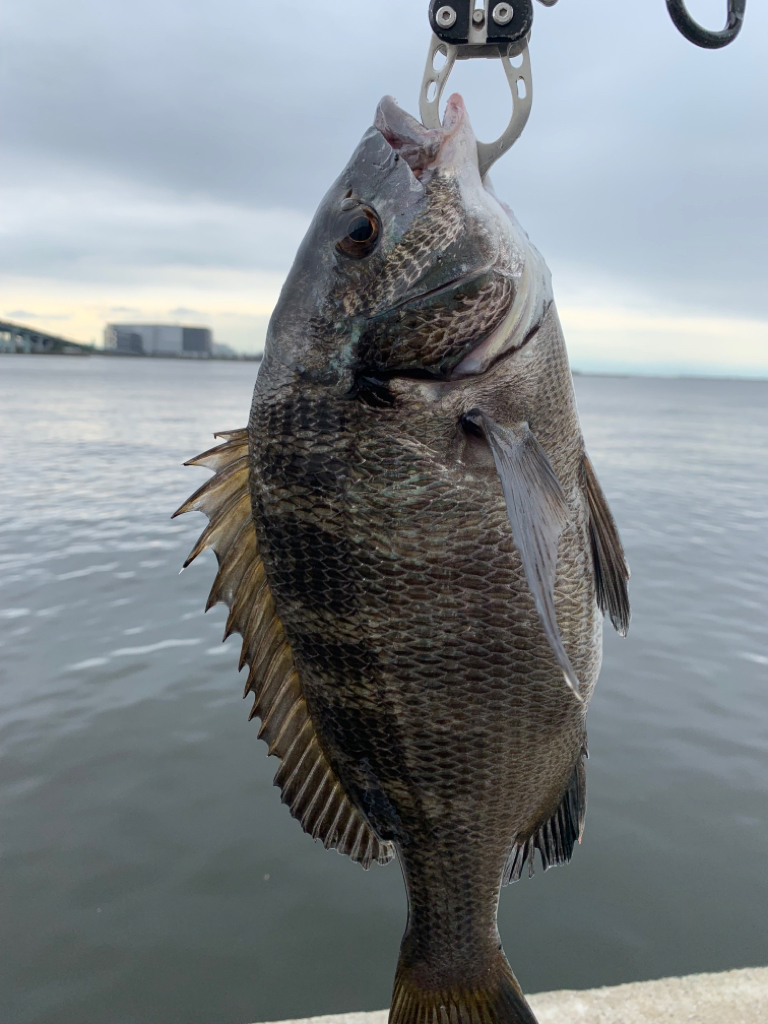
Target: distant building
[(158, 339), (222, 351), (123, 339)]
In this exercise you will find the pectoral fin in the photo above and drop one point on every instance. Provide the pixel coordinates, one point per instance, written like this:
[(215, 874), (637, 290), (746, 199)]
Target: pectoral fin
[(537, 513)]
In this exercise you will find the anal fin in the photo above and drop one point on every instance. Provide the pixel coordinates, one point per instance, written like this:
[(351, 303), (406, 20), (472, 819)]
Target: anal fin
[(556, 837), (308, 784)]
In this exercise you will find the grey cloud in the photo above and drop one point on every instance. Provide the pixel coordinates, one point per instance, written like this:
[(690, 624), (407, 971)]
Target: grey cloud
[(643, 166), (101, 229), (21, 313)]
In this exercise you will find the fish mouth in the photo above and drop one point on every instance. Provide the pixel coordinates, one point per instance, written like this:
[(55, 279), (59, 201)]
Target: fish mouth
[(423, 149)]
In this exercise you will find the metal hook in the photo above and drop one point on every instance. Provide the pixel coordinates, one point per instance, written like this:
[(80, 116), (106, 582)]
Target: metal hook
[(702, 36), (520, 86)]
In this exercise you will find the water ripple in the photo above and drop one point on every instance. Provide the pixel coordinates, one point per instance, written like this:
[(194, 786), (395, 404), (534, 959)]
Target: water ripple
[(139, 816)]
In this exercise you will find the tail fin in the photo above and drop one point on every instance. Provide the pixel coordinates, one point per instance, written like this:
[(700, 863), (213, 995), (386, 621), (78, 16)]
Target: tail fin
[(494, 998)]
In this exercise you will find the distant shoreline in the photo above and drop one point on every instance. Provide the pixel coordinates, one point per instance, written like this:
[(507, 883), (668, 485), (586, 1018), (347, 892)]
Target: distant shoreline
[(249, 357), (77, 349), (670, 375)]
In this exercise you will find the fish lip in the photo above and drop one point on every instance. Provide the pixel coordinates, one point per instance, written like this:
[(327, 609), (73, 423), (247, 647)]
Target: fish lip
[(423, 149)]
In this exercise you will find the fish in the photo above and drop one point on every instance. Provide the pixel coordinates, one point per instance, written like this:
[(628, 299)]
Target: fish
[(416, 550)]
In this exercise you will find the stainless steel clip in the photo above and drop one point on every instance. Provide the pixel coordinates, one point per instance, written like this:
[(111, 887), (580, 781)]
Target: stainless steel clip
[(461, 31)]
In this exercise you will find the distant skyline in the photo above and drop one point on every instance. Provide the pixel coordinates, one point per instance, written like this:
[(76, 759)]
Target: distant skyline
[(162, 160)]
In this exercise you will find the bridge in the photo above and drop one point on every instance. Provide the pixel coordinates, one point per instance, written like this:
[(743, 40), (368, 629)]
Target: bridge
[(19, 338)]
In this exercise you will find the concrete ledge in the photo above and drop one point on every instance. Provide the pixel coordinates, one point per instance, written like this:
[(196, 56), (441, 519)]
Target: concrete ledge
[(733, 997)]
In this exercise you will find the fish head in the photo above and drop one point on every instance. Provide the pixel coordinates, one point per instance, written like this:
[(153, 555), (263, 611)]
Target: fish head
[(410, 263)]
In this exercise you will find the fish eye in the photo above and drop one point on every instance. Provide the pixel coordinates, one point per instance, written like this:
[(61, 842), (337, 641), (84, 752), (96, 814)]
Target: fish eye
[(357, 232)]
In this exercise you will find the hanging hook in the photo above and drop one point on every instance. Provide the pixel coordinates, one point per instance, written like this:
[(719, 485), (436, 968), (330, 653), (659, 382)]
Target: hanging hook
[(520, 85), (464, 30), (702, 36)]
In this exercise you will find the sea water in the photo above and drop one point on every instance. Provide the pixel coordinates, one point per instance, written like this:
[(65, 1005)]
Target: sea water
[(149, 871)]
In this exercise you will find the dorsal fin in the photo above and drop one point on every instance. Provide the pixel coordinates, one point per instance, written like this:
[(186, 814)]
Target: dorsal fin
[(611, 569), (307, 782), (555, 837)]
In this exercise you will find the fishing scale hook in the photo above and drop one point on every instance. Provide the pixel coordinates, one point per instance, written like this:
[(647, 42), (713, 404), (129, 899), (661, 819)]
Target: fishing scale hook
[(702, 36), (464, 29), (480, 28)]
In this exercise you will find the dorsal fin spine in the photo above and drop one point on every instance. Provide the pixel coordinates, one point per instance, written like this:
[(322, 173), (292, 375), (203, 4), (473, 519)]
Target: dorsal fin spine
[(285, 725), (265, 651), (312, 764), (317, 797), (217, 527), (243, 550), (248, 688), (241, 434), (275, 697), (262, 612), (220, 457), (216, 491), (244, 596), (278, 705), (261, 607)]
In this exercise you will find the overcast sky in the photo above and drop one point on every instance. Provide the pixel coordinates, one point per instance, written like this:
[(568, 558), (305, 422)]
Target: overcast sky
[(161, 160)]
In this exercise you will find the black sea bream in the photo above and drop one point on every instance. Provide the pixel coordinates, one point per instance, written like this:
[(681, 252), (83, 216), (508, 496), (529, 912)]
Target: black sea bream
[(416, 551)]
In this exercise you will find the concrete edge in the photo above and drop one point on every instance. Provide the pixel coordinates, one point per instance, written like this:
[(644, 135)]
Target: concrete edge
[(729, 997)]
